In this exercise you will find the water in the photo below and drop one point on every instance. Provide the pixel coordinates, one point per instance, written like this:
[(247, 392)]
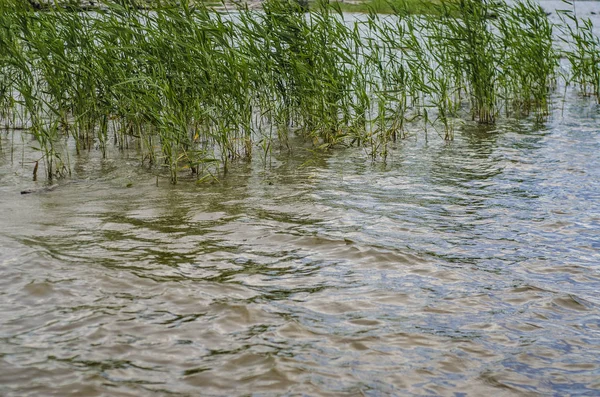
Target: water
[(465, 267), (458, 267)]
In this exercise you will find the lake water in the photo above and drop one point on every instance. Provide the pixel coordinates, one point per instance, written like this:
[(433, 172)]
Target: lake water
[(466, 267)]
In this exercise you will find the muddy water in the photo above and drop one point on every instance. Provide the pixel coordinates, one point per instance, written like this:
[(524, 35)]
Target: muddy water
[(469, 266)]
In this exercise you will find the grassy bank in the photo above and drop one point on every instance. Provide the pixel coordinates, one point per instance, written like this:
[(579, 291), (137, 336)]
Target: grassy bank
[(194, 90), (392, 6)]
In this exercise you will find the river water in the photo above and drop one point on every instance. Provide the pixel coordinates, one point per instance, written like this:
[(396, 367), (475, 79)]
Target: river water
[(455, 268), (470, 266)]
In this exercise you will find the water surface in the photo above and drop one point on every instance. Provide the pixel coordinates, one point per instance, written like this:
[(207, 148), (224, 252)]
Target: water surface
[(470, 266)]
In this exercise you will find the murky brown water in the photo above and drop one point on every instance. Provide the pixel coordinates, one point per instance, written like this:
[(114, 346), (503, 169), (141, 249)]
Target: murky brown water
[(466, 267)]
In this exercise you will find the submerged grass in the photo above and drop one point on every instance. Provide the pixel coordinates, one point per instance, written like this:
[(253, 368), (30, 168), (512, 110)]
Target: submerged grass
[(194, 89)]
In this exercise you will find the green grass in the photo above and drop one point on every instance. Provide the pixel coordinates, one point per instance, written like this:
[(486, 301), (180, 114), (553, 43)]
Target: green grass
[(393, 6)]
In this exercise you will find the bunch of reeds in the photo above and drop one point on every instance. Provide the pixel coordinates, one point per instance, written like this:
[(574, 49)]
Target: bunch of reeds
[(194, 89), (582, 51)]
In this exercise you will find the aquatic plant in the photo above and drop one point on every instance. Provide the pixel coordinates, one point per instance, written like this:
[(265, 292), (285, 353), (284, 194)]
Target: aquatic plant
[(193, 89), (528, 58), (582, 52)]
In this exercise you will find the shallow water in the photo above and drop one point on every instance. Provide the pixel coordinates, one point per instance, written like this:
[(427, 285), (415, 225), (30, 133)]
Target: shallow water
[(465, 267), (470, 266)]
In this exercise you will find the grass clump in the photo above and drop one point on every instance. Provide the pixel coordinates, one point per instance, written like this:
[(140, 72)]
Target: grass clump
[(582, 52), (193, 89)]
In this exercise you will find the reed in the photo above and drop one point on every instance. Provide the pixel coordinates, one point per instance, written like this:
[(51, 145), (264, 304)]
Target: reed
[(193, 89), (529, 59), (582, 51)]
